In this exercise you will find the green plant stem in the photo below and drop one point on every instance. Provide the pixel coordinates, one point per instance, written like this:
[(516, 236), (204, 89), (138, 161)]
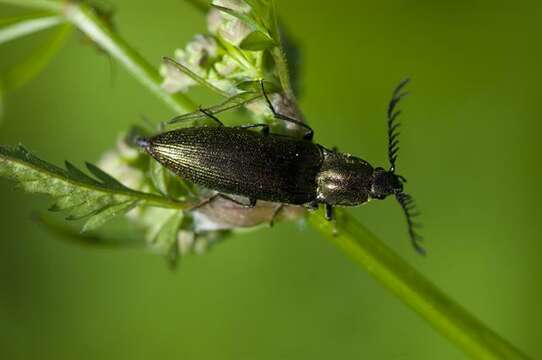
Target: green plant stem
[(444, 314), (50, 5), (83, 17), (282, 68)]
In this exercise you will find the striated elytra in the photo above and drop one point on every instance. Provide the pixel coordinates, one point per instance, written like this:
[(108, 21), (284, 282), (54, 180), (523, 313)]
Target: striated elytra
[(259, 165)]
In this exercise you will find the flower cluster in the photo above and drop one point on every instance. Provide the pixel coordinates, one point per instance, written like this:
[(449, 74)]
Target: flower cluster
[(229, 60)]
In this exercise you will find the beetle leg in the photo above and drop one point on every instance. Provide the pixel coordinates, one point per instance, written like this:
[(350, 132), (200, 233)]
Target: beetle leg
[(211, 116), (308, 135), (329, 212), (276, 212), (251, 204), (311, 206), (265, 127)]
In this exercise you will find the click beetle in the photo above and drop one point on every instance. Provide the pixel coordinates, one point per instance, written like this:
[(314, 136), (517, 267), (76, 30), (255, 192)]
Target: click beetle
[(260, 165)]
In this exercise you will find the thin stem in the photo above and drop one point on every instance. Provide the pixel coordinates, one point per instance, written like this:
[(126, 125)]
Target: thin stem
[(282, 69), (444, 314), (84, 18), (28, 26), (54, 6)]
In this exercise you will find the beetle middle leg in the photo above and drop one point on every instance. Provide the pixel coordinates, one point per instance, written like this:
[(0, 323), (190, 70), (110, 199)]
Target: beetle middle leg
[(251, 204), (329, 212), (276, 213), (308, 135)]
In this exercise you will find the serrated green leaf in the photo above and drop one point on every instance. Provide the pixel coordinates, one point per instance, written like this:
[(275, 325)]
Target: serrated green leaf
[(19, 26), (108, 213), (104, 177), (79, 195), (257, 41), (166, 239), (167, 235), (27, 69), (78, 174)]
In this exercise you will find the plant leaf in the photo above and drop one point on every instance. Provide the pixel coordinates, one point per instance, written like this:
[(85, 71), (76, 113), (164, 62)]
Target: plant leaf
[(108, 213), (166, 239), (257, 41), (27, 69), (264, 13), (167, 234), (246, 18), (260, 21), (96, 199), (19, 26)]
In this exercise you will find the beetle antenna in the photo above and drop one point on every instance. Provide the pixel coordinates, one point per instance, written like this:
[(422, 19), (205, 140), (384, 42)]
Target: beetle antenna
[(393, 126), (409, 208)]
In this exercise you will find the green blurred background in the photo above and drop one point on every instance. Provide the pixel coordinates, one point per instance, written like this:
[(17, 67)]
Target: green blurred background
[(470, 150)]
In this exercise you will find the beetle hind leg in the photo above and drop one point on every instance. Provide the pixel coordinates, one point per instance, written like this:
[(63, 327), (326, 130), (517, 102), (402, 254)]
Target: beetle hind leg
[(310, 132), (211, 116)]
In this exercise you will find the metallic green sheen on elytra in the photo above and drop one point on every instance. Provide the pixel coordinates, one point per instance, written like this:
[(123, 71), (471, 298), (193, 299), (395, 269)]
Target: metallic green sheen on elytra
[(242, 162)]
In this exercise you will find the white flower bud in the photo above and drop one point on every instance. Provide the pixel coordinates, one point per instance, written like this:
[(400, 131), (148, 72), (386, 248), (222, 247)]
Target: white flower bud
[(227, 26)]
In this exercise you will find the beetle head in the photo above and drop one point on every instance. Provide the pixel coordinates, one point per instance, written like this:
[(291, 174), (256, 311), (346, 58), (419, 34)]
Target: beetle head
[(385, 183)]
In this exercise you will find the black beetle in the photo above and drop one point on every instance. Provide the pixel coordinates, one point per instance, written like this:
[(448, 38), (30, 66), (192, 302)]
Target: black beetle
[(282, 169)]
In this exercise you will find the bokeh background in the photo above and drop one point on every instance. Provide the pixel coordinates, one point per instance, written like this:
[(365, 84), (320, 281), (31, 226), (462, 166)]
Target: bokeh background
[(470, 149)]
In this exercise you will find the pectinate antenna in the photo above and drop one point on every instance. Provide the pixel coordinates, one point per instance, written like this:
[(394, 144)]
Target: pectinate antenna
[(393, 125), (409, 208)]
